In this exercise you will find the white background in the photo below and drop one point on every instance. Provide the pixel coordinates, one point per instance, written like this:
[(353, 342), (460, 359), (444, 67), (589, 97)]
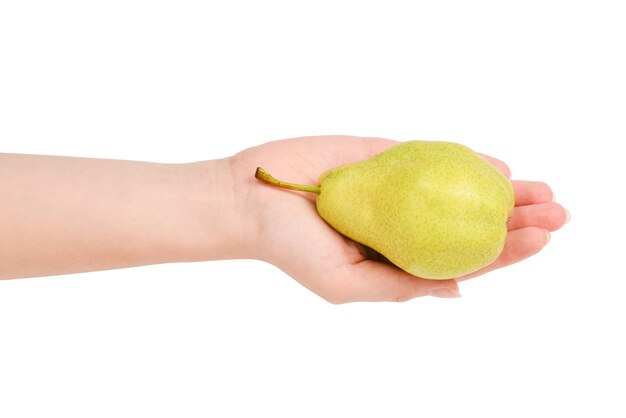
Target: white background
[(540, 84)]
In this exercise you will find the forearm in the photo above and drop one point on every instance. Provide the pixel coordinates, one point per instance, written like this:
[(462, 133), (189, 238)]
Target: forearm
[(64, 215)]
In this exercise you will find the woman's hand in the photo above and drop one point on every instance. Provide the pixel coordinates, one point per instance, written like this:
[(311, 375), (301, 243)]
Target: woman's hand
[(291, 235)]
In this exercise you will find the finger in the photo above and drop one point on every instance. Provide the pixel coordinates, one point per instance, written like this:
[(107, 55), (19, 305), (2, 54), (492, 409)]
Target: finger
[(499, 164), (371, 281), (520, 244), (550, 216), (531, 192)]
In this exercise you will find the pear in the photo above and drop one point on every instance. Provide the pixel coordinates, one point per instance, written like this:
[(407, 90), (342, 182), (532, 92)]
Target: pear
[(435, 209)]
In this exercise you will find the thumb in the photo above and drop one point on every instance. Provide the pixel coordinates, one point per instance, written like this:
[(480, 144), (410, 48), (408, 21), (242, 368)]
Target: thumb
[(372, 281)]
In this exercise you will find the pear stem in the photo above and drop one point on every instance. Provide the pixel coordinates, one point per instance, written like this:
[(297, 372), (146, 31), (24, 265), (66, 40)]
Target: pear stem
[(266, 177)]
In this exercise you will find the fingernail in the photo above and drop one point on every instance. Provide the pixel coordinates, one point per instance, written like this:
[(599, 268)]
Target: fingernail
[(548, 236), (567, 216), (445, 293), (553, 197)]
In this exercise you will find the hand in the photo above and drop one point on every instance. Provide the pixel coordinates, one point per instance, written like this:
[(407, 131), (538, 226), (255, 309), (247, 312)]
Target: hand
[(292, 236)]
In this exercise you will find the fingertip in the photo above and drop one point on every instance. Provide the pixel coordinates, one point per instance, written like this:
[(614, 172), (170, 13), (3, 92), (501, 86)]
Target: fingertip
[(445, 292), (423, 287), (542, 236), (560, 217)]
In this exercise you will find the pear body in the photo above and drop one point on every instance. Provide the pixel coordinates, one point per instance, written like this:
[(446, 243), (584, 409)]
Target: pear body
[(434, 209)]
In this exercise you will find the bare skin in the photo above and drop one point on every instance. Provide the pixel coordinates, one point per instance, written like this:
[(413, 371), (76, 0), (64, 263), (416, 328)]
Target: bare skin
[(61, 215)]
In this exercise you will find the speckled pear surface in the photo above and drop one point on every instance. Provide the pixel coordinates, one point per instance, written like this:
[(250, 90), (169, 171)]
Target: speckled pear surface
[(435, 209)]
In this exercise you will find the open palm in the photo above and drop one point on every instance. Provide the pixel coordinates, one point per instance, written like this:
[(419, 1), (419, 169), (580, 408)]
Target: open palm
[(292, 236)]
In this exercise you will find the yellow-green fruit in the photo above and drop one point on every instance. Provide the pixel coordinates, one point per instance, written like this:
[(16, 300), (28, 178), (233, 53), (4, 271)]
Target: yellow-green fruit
[(435, 209)]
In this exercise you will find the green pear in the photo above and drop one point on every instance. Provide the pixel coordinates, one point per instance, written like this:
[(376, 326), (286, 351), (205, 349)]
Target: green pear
[(437, 210)]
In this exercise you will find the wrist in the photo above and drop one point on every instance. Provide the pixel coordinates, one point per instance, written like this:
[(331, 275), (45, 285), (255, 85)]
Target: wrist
[(219, 224)]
